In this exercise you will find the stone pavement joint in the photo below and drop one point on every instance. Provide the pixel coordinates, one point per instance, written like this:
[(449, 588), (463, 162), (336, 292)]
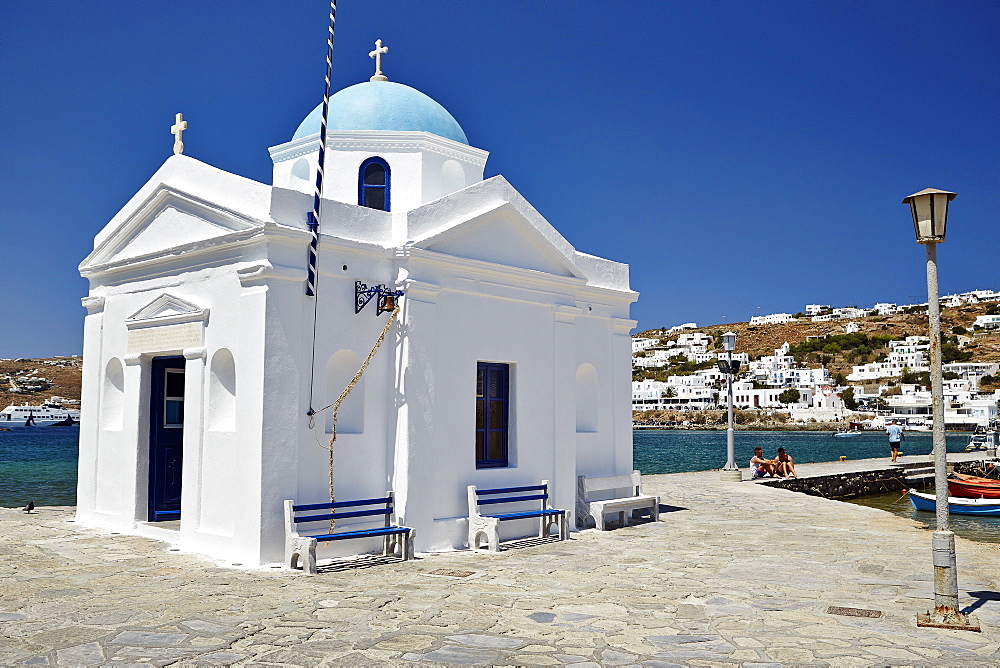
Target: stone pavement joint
[(738, 574)]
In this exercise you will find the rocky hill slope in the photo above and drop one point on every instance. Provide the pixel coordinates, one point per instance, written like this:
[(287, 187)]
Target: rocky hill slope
[(34, 380), (760, 340)]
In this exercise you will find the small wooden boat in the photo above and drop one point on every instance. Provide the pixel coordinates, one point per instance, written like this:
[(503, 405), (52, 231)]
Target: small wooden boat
[(973, 487), (971, 490), (979, 480), (956, 505)]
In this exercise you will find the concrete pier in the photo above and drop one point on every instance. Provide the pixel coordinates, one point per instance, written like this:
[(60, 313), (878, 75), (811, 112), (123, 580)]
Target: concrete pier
[(734, 574)]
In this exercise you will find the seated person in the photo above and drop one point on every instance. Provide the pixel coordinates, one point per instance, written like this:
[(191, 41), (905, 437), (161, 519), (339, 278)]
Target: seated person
[(759, 467), (785, 464)]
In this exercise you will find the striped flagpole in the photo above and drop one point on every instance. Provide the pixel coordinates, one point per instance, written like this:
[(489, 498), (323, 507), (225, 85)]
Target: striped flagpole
[(314, 214)]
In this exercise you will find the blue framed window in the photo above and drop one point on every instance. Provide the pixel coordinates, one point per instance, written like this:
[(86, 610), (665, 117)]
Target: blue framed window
[(492, 414), (373, 184)]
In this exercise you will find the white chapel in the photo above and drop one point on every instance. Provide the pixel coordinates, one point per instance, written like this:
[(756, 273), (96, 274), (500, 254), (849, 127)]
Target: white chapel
[(508, 360)]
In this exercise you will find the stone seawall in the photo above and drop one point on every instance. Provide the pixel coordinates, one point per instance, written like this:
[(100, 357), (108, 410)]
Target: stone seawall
[(869, 483)]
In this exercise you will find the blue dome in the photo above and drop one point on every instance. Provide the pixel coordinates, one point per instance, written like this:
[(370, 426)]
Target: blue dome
[(383, 105)]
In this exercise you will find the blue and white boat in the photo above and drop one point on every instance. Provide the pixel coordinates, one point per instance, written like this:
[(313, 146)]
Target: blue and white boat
[(38, 416), (956, 505)]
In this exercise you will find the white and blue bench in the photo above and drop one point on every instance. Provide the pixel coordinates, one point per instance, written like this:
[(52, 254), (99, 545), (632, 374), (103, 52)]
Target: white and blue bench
[(487, 525), (300, 548)]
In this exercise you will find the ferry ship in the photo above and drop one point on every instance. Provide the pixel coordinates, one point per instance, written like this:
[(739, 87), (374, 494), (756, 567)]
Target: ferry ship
[(38, 416)]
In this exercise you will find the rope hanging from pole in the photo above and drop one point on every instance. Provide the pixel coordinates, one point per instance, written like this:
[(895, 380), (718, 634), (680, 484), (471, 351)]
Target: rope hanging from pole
[(343, 395)]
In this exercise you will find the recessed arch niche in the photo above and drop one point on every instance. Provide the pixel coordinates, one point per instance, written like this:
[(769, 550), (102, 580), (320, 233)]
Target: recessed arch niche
[(222, 392), (302, 169), (452, 177), (586, 398), (340, 371), (113, 395)]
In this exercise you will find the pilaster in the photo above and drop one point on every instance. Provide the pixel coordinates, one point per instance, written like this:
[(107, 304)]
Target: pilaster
[(564, 363), (194, 420), (135, 432), (621, 394), (414, 469), (90, 404)]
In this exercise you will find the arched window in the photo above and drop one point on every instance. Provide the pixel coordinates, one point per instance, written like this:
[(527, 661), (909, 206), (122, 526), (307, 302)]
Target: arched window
[(373, 184)]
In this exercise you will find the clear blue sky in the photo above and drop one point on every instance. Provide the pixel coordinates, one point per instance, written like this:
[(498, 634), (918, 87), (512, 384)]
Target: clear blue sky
[(736, 154)]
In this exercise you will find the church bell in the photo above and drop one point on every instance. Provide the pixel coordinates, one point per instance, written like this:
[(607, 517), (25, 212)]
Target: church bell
[(387, 303)]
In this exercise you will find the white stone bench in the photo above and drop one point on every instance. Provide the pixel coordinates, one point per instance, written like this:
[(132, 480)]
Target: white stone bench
[(597, 496)]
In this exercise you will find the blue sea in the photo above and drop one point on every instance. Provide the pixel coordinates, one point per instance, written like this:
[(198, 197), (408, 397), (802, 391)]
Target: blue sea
[(39, 463), (679, 451)]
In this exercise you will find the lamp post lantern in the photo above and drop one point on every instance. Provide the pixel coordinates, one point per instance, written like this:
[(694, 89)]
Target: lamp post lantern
[(730, 472), (929, 209)]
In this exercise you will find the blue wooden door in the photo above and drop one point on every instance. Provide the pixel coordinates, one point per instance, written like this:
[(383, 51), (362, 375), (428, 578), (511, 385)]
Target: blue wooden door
[(166, 438)]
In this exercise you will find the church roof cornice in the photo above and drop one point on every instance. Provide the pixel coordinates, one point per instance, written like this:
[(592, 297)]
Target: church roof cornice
[(205, 221), (508, 282), (189, 257), (381, 140)]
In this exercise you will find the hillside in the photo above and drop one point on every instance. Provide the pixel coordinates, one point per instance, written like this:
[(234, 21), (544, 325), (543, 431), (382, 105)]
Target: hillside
[(760, 340), (39, 379)]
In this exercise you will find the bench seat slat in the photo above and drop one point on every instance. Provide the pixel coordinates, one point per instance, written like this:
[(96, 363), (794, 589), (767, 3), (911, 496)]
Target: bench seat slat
[(527, 513), (341, 504), (625, 500), (342, 516), (382, 531), (504, 490), (514, 499)]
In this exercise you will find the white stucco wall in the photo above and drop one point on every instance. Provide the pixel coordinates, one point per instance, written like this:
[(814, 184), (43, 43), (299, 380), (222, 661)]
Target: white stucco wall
[(423, 167)]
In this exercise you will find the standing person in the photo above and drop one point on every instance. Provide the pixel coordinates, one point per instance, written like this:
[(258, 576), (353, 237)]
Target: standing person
[(759, 467), (785, 464), (895, 433)]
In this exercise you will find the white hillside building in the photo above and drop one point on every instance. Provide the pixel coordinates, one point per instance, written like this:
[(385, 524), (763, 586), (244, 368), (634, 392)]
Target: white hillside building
[(885, 309), (200, 362), (971, 371), (910, 353), (639, 344), (773, 319), (678, 393), (773, 369), (987, 321), (694, 339), (745, 396)]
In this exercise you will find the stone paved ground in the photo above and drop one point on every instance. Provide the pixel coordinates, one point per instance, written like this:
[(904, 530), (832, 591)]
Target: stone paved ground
[(738, 575)]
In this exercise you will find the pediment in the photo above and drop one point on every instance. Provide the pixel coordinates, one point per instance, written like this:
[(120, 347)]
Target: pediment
[(501, 235), (166, 309), (167, 219)]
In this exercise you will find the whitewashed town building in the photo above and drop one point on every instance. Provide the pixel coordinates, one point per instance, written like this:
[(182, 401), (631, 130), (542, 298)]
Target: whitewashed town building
[(772, 319), (910, 354)]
